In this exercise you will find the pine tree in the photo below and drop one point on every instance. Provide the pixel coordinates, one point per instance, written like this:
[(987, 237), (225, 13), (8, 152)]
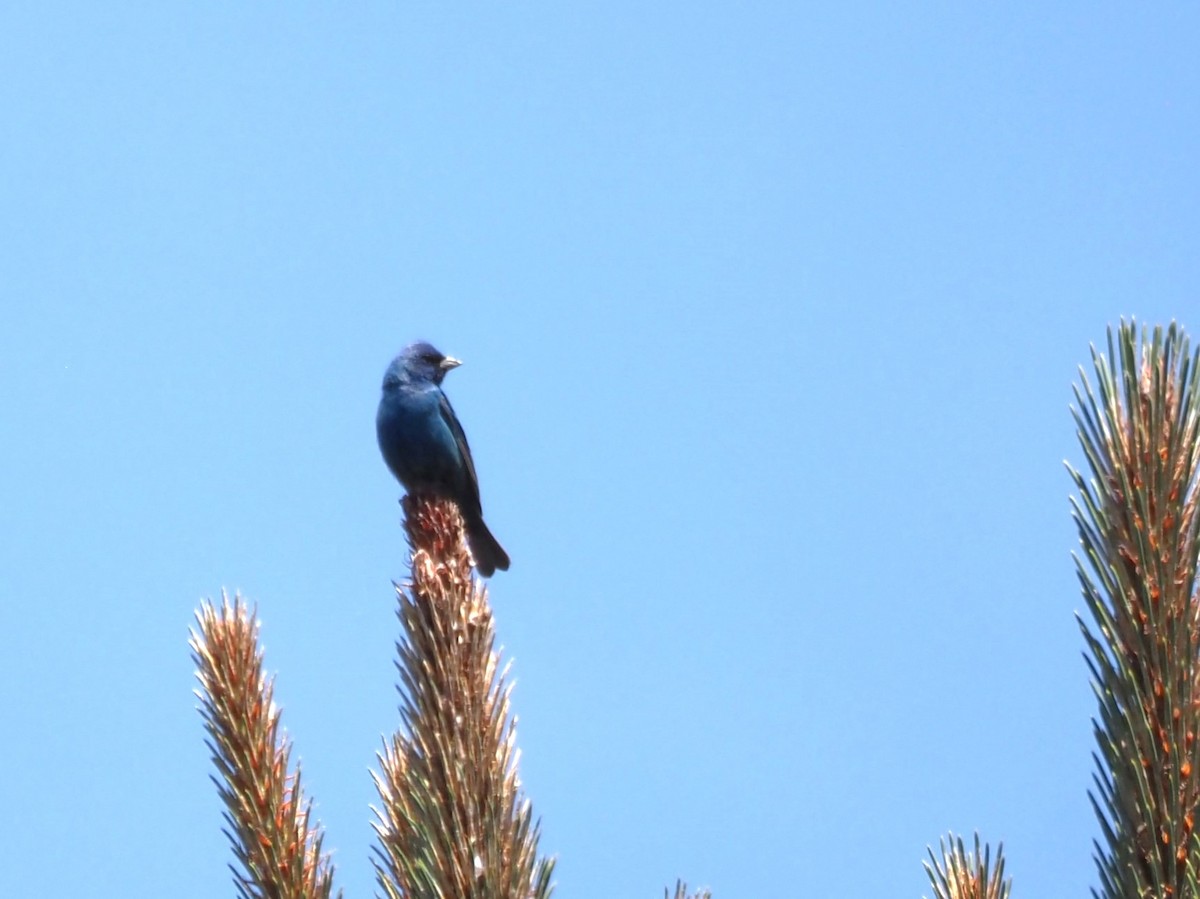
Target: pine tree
[(452, 822), (1139, 427)]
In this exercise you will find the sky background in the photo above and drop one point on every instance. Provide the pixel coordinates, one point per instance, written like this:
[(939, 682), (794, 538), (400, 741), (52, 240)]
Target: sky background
[(770, 314)]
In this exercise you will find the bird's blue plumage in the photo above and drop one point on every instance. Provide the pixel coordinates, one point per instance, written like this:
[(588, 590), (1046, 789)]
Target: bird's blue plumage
[(424, 445)]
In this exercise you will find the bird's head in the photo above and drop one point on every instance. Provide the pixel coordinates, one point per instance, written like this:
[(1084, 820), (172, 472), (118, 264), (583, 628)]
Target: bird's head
[(419, 363)]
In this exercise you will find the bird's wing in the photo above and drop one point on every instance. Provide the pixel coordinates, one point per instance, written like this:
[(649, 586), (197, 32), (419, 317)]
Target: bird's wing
[(464, 451)]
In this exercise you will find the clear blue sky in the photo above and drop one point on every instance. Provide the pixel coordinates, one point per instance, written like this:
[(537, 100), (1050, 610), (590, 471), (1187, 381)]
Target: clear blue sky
[(770, 315)]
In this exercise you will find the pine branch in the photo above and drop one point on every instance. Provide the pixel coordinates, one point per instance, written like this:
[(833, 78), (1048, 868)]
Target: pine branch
[(268, 818), (681, 892), (453, 822), (959, 874), (1136, 516)]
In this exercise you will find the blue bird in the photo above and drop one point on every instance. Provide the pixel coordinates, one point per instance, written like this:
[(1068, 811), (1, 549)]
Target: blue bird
[(425, 447)]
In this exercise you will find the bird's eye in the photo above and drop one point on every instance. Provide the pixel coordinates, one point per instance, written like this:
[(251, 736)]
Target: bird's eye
[(433, 358)]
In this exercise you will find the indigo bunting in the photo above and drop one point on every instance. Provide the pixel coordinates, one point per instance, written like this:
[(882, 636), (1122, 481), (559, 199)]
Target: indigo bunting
[(425, 447)]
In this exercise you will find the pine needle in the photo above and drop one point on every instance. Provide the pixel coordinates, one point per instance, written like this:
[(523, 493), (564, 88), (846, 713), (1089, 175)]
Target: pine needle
[(959, 874), (453, 823), (277, 846), (1140, 542)]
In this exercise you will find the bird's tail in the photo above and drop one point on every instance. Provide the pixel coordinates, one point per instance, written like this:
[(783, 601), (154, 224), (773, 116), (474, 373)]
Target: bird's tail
[(485, 549)]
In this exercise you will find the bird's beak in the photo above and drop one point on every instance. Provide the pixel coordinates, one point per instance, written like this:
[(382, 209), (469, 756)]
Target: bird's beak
[(448, 363)]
